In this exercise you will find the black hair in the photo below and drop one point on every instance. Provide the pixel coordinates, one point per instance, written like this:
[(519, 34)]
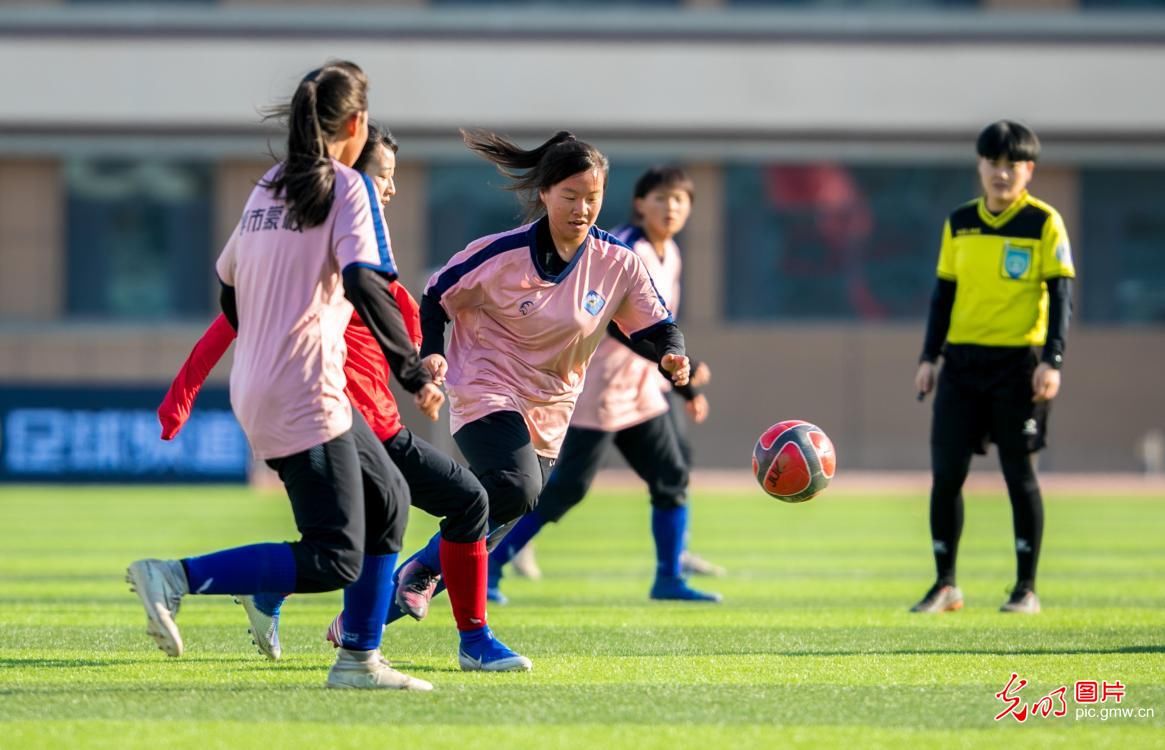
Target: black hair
[(1009, 140), (530, 171), (322, 103), (378, 136), (662, 175)]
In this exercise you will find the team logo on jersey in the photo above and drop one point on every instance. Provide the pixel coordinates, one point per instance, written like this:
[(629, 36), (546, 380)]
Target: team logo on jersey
[(1016, 260), (1064, 253), (526, 307), (593, 302)]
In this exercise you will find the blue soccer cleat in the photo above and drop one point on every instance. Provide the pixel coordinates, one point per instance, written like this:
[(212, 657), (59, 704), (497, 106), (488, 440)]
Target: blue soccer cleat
[(481, 652), (495, 595), (675, 588)]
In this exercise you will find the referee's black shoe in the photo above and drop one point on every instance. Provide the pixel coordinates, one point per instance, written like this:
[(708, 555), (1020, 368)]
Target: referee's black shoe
[(1022, 600), (942, 597)]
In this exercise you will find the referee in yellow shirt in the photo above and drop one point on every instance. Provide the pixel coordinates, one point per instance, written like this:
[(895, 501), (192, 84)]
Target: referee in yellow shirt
[(999, 319)]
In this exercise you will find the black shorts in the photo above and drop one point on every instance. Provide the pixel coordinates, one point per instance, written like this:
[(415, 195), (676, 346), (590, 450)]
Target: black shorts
[(441, 487), (985, 396)]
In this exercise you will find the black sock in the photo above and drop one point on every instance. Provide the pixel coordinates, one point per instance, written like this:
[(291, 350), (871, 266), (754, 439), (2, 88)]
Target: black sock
[(1027, 511), (946, 509)]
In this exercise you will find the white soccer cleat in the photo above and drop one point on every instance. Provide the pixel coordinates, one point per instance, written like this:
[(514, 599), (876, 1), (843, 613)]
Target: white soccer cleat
[(160, 585), (368, 670), (693, 564), (525, 564), (264, 628)]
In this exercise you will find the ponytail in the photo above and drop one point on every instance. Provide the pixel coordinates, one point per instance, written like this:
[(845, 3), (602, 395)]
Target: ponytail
[(537, 169), (322, 103)]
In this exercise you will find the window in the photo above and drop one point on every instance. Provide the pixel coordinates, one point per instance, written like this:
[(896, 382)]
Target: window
[(858, 4), (555, 3), (138, 239), (835, 242), (468, 200), (1121, 255)]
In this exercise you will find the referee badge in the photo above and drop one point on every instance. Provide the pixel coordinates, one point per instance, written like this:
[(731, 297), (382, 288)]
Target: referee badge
[(1016, 260)]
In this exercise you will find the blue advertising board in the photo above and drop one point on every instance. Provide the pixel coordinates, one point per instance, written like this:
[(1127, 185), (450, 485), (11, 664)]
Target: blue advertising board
[(111, 434)]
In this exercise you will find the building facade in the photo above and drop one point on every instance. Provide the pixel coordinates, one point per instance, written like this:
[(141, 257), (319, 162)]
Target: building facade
[(827, 141)]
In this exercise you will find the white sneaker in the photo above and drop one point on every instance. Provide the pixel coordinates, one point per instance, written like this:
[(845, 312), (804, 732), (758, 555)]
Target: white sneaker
[(368, 670), (694, 565), (525, 564), (264, 628), (160, 584)]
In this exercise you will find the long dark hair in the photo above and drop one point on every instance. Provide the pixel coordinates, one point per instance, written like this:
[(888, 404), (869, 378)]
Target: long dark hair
[(378, 136), (324, 100), (537, 169)]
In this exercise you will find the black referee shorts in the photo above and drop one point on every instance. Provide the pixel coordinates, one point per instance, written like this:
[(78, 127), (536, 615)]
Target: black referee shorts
[(985, 396)]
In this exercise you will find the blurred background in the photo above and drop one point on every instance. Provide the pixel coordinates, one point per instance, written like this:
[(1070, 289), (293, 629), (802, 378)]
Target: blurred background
[(828, 139)]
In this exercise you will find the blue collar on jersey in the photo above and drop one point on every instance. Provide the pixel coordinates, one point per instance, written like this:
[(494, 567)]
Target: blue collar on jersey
[(542, 243)]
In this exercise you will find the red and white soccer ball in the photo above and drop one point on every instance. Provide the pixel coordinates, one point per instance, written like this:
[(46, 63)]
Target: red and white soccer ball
[(794, 461)]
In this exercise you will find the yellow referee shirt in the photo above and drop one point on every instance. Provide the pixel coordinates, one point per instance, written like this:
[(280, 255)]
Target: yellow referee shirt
[(1000, 263)]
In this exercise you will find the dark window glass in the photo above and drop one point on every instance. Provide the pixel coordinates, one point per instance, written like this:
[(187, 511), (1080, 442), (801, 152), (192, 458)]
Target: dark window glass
[(858, 4), (835, 242), (139, 239), (1121, 254)]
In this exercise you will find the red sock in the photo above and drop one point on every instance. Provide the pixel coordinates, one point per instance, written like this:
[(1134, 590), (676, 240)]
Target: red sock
[(463, 566)]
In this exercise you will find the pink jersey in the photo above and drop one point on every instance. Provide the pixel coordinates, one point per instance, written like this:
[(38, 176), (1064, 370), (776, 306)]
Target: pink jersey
[(287, 382), (521, 339), (622, 388)]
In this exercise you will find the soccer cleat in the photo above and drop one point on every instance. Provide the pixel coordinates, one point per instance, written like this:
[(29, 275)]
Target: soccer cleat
[(264, 628), (525, 563), (483, 652), (495, 595), (1024, 601), (941, 597), (335, 634), (415, 585), (368, 670), (675, 588), (160, 585), (693, 564)]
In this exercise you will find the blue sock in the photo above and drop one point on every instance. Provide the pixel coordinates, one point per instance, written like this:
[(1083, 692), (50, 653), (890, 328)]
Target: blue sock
[(366, 603), (269, 604), (668, 526), (526, 529), (253, 569), (430, 554), (471, 637)]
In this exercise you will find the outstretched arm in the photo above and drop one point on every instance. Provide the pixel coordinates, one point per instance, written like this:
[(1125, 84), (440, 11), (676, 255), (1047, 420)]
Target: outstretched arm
[(175, 408)]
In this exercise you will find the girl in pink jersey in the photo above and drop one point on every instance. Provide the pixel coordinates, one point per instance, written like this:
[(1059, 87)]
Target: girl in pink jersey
[(625, 403), (311, 248), (438, 485), (528, 308)]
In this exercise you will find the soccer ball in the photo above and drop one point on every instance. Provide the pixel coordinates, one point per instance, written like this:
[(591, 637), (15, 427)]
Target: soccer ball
[(794, 461)]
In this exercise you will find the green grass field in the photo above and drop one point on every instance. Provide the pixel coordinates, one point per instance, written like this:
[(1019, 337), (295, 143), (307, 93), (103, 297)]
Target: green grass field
[(813, 646)]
